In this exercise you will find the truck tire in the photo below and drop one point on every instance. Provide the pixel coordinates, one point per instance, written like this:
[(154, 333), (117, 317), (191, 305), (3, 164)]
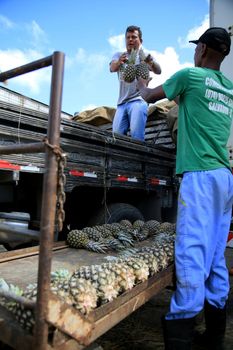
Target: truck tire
[(116, 212)]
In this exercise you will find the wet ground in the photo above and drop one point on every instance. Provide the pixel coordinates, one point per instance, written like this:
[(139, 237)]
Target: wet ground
[(142, 329)]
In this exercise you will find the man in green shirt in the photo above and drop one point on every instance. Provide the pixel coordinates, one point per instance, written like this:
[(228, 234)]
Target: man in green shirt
[(206, 193)]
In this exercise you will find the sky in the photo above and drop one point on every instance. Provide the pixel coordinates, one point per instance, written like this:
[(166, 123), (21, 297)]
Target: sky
[(89, 33)]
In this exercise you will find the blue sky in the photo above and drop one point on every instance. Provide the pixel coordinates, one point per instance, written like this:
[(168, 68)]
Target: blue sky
[(89, 32)]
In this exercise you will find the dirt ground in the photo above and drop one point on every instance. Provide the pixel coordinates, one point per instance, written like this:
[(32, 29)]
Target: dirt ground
[(142, 329)]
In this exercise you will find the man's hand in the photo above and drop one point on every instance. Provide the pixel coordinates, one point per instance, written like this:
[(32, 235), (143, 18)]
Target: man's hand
[(115, 65), (141, 83), (153, 66), (123, 58), (149, 59)]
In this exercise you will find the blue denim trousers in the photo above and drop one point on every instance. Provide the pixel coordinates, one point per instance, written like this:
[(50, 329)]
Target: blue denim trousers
[(131, 116), (203, 221)]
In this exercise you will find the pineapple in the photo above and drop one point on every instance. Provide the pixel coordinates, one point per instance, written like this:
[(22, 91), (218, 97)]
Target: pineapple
[(150, 261), (161, 257), (153, 226), (141, 270), (24, 315), (126, 223), (129, 71), (115, 227), (59, 275), (11, 289), (168, 245), (125, 275), (169, 250), (60, 285), (77, 238), (103, 279), (84, 294), (142, 69), (80, 239), (92, 233), (143, 234), (105, 230), (138, 224), (167, 227)]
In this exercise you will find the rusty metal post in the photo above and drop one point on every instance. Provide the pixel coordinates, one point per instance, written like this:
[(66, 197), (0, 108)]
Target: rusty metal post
[(29, 67), (36, 147), (48, 210)]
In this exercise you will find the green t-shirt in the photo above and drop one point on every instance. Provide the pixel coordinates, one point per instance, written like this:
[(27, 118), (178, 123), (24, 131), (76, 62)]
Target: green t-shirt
[(205, 114)]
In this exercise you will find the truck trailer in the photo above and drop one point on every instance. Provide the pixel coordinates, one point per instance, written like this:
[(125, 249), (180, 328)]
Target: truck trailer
[(87, 177)]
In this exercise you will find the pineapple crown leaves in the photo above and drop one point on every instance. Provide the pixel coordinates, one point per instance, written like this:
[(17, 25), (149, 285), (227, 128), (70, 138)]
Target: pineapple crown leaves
[(11, 288), (9, 294), (60, 274), (15, 290), (3, 285), (142, 55), (132, 57)]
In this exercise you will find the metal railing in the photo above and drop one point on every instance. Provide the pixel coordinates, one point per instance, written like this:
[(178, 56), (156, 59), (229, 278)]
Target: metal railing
[(49, 197)]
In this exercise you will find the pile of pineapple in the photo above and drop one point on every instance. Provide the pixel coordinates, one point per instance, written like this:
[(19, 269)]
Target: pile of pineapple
[(116, 236), (89, 287), (131, 71)]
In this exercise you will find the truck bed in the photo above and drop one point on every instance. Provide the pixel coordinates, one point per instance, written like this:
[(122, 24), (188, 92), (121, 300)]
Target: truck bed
[(94, 155)]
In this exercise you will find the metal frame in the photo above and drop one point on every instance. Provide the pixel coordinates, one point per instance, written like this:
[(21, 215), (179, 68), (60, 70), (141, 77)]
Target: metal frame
[(48, 210)]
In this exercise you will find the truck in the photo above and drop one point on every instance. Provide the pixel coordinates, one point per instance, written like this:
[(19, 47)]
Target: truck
[(88, 177), (105, 177)]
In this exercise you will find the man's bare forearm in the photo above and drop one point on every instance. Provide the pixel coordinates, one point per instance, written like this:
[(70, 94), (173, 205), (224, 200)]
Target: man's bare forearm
[(150, 95)]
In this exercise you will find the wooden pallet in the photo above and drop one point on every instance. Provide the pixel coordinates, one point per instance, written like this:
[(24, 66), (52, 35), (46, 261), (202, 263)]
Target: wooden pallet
[(71, 328)]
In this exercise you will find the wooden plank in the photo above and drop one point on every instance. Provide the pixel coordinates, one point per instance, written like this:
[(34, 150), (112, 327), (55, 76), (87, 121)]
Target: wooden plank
[(68, 320), (25, 252), (62, 341)]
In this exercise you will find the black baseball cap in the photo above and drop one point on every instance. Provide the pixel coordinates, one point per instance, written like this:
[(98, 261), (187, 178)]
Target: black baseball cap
[(216, 38)]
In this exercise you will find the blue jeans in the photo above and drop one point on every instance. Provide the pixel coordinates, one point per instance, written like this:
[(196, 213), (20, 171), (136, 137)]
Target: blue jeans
[(131, 116), (204, 215)]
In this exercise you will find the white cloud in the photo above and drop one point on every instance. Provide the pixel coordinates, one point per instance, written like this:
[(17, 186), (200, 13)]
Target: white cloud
[(10, 59), (91, 64), (88, 107), (39, 37), (5, 22), (37, 32), (94, 61), (169, 62), (194, 33), (34, 47), (81, 56), (117, 42)]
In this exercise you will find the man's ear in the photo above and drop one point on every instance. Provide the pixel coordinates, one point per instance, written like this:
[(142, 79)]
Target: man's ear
[(204, 49)]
